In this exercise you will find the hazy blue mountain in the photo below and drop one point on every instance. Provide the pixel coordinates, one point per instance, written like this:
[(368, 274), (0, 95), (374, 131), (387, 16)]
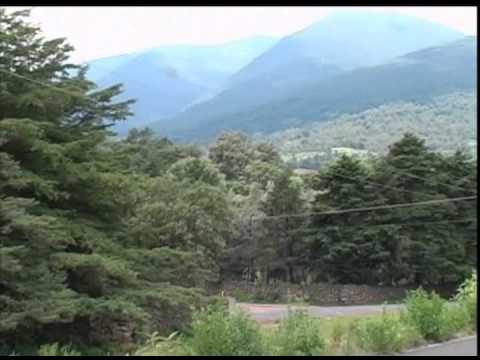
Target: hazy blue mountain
[(338, 43), (158, 88), (168, 79), (415, 77), (350, 40)]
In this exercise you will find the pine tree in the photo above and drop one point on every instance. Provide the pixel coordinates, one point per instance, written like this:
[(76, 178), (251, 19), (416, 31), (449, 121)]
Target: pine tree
[(424, 253), (345, 246), (67, 272)]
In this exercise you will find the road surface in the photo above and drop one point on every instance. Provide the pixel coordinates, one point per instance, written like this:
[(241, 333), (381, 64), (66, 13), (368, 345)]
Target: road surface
[(269, 313), (460, 347)]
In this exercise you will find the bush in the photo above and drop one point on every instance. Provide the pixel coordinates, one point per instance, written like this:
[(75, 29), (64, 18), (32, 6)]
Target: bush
[(215, 332), (467, 297), (339, 329), (56, 350), (343, 337), (298, 335), (386, 334), (455, 318), (162, 346), (425, 313)]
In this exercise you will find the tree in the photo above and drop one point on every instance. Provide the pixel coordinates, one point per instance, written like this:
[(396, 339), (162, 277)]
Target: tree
[(67, 272), (231, 152), (344, 245), (281, 250)]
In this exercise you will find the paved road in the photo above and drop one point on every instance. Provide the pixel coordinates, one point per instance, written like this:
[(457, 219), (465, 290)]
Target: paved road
[(460, 347), (267, 313)]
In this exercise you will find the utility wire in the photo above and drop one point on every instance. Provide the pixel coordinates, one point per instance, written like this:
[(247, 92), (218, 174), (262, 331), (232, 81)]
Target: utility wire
[(53, 87), (422, 178), (383, 186), (392, 206), (388, 224)]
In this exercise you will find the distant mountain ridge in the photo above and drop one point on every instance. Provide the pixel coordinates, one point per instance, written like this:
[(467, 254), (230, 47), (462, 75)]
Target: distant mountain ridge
[(350, 40), (337, 44), (417, 77), (345, 63), (167, 79)]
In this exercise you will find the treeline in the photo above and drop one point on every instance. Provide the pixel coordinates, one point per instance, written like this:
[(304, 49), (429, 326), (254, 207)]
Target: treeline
[(416, 245), (104, 241)]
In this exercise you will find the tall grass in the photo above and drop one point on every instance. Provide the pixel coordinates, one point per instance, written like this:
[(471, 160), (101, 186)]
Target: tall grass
[(467, 298), (216, 332), (386, 334), (56, 349), (298, 335)]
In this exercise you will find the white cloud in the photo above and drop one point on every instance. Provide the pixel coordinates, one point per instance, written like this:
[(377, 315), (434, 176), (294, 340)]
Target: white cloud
[(105, 31)]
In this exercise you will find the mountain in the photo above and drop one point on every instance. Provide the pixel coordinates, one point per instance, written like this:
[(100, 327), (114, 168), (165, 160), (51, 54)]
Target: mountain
[(350, 40), (338, 43), (414, 77), (168, 79)]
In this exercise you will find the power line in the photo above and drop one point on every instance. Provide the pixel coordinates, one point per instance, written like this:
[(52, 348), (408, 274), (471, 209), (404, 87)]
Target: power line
[(388, 224), (440, 183), (53, 87), (384, 186), (392, 206)]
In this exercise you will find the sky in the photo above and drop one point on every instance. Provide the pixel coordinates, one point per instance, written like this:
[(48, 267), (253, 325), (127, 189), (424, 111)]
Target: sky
[(98, 32)]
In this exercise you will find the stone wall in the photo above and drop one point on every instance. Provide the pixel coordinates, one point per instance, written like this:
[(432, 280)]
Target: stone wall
[(315, 294)]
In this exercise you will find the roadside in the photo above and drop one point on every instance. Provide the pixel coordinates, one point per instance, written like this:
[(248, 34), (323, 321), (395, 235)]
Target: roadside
[(466, 346)]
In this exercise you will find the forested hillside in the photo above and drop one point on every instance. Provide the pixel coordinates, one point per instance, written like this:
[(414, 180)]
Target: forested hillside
[(415, 77), (447, 124), (105, 240)]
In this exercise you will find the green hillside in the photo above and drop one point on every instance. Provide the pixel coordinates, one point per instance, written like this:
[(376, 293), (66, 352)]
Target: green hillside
[(447, 124)]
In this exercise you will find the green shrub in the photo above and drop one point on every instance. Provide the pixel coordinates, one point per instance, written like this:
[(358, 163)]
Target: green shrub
[(343, 338), (215, 332), (298, 335), (467, 297), (455, 319), (425, 313), (56, 350), (338, 332), (386, 334), (163, 346)]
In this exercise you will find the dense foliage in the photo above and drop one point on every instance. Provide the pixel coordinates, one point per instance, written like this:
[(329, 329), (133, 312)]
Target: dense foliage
[(446, 123), (433, 244), (101, 240)]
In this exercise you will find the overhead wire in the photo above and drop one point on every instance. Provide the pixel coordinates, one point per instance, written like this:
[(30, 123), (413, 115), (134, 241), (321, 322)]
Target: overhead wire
[(371, 208)]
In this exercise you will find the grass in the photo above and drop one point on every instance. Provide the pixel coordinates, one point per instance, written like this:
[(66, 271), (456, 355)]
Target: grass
[(217, 332), (297, 335)]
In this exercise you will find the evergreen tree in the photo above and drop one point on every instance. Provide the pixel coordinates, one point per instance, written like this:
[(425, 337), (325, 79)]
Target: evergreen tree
[(347, 246), (282, 250), (68, 273)]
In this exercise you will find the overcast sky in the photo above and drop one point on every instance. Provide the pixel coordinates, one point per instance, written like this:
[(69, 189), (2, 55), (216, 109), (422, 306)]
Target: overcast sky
[(105, 31)]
